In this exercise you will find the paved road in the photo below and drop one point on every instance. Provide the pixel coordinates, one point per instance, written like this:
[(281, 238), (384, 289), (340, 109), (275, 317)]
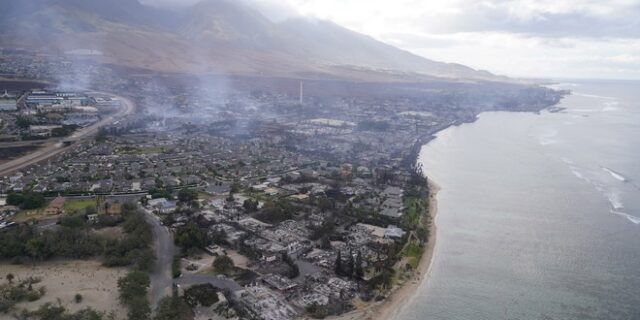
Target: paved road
[(161, 276), (54, 148)]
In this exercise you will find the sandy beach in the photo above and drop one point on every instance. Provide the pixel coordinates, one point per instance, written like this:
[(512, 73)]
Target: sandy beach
[(403, 292)]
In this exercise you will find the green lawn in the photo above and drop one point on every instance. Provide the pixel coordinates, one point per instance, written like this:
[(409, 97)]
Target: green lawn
[(73, 206), (413, 252)]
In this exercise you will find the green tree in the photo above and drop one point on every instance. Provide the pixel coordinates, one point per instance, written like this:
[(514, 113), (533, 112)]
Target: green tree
[(187, 195), (223, 264), (201, 294), (133, 293), (173, 308), (250, 205), (191, 236)]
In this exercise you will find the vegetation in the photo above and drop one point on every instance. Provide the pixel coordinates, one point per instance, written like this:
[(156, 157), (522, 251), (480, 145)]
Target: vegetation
[(202, 294), (64, 131), (24, 122), (157, 193), (223, 264), (133, 294), (12, 294), (26, 201), (175, 267), (135, 248), (414, 253), (187, 195), (250, 205), (191, 236), (276, 212), (383, 281), (50, 311), (74, 240), (173, 308), (371, 125), (77, 206)]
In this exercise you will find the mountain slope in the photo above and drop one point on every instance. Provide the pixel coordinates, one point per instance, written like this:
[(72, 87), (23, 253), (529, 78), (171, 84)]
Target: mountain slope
[(213, 36)]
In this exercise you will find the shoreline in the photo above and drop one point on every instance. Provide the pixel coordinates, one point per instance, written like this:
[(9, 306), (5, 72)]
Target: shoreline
[(403, 293)]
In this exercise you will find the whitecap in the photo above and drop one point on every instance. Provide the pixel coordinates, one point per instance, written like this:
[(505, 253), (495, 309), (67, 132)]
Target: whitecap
[(577, 173), (615, 200), (594, 96), (629, 217), (611, 106), (615, 175), (567, 160), (547, 137), (584, 110)]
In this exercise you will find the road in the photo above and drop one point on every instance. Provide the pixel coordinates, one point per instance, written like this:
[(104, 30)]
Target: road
[(53, 149), (161, 276)]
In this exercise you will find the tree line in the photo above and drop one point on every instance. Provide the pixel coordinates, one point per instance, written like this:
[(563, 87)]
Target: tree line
[(73, 239)]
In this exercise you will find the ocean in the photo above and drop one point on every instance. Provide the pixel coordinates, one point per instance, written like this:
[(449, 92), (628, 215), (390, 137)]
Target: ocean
[(539, 214)]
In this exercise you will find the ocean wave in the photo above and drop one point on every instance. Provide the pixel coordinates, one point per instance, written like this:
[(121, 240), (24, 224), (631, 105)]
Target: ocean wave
[(611, 106), (578, 174), (547, 137), (615, 175), (567, 160), (584, 110), (593, 96), (615, 200), (634, 219), (611, 194)]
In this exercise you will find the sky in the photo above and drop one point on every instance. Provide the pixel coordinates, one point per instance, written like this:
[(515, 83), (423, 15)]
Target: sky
[(517, 38)]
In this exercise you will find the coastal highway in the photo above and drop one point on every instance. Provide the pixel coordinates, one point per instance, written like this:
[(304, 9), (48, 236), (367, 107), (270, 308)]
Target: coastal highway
[(53, 149)]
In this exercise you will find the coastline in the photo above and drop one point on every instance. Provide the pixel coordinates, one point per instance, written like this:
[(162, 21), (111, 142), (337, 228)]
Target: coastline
[(403, 292)]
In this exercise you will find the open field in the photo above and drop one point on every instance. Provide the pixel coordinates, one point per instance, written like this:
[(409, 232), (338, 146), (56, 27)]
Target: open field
[(97, 284), (78, 205), (36, 214)]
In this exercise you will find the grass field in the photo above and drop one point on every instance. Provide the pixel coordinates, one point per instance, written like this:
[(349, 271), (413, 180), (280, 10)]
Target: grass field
[(413, 252), (27, 215), (74, 206)]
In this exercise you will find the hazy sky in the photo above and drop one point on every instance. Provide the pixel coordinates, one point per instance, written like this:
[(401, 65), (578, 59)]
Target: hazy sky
[(533, 38)]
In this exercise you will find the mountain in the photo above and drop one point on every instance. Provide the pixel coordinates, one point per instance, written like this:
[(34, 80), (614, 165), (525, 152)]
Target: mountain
[(213, 36)]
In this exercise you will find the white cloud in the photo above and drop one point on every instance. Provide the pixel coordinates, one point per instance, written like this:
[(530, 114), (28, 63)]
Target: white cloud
[(536, 38)]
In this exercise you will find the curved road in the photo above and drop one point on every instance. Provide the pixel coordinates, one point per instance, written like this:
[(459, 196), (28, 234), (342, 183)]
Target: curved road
[(54, 149)]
